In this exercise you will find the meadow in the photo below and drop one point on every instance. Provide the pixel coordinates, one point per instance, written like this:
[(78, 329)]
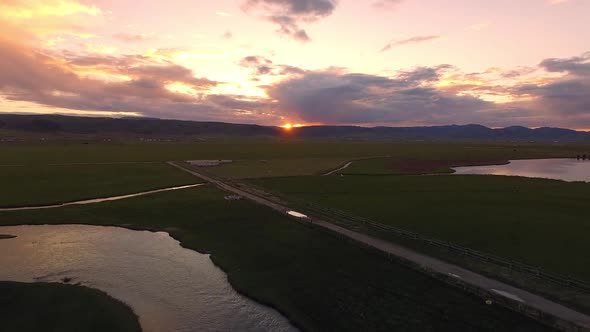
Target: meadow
[(51, 184), (251, 149), (531, 220), (319, 281)]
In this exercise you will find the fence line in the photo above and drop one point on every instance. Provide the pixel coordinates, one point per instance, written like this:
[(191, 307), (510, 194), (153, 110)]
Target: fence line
[(338, 216), (351, 220)]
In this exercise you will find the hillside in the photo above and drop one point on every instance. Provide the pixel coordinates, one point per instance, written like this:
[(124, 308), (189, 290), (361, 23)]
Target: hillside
[(144, 128)]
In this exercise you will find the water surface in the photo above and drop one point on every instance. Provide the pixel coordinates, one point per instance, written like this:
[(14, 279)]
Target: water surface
[(558, 169), (171, 288)]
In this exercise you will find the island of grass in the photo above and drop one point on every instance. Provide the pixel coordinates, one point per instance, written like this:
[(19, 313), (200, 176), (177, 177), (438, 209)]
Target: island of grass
[(36, 307), (319, 281), (6, 236)]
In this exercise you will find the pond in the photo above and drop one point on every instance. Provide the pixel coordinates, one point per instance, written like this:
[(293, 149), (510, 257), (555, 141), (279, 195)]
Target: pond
[(170, 288), (558, 169)]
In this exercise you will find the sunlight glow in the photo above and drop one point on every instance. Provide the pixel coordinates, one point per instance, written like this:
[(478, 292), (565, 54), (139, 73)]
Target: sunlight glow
[(289, 126), (53, 8)]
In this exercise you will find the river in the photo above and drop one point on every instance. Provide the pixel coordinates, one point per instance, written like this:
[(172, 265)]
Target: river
[(171, 288)]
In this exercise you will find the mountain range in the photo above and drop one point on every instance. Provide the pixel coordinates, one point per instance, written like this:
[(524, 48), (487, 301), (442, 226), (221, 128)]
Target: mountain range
[(67, 126)]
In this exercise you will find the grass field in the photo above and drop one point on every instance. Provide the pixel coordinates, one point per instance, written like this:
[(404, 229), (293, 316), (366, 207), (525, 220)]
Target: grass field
[(319, 281), (531, 220), (264, 158), (241, 169), (40, 307), (40, 185), (67, 152)]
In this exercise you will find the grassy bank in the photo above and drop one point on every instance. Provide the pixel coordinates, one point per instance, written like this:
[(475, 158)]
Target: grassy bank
[(40, 307), (320, 282), (531, 220), (42, 185)]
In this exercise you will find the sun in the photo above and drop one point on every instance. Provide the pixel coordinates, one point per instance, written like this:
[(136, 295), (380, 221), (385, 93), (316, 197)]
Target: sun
[(289, 126)]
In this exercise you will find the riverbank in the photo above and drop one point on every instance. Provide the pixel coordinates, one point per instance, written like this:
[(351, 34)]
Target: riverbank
[(34, 307), (318, 281)]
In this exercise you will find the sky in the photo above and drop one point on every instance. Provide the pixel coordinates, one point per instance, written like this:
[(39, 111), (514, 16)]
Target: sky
[(272, 62)]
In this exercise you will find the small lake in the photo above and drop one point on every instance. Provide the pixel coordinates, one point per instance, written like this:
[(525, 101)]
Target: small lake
[(169, 287), (558, 169)]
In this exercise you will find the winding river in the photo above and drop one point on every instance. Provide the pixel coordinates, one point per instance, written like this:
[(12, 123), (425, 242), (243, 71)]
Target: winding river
[(171, 288)]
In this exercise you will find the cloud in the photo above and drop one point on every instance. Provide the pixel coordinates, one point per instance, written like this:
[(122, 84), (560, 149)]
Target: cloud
[(518, 72), (441, 95), (480, 26), (578, 66), (289, 14), (227, 35), (412, 40), (553, 92), (565, 99), (382, 4), (29, 75), (43, 18), (130, 37), (556, 2), (260, 65), (336, 97)]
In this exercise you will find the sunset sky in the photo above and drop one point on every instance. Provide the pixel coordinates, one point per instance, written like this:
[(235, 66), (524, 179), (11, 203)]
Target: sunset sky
[(372, 63)]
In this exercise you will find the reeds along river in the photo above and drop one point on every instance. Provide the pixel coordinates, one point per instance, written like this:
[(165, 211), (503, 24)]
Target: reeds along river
[(171, 288), (557, 169)]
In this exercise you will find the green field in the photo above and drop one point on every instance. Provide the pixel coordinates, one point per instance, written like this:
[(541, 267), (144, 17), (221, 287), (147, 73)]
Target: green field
[(320, 282), (67, 152), (530, 220), (40, 307), (276, 167), (43, 184), (263, 158)]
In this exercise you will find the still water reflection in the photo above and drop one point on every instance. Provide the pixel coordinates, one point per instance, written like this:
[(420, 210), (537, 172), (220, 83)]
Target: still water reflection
[(171, 288), (558, 169)]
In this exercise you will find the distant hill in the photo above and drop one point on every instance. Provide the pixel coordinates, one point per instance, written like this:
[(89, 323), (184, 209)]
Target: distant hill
[(86, 127), (135, 127), (450, 132)]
